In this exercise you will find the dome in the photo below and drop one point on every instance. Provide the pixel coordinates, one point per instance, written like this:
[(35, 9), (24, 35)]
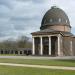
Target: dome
[(55, 16)]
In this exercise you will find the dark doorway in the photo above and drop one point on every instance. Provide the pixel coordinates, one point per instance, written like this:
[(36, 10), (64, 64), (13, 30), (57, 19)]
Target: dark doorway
[(53, 45), (37, 45), (45, 50), (45, 46)]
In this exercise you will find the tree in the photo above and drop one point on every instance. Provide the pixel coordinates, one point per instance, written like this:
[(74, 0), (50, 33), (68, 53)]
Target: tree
[(23, 42)]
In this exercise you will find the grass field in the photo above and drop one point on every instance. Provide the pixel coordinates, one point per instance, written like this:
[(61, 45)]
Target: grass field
[(40, 62), (8, 70), (9, 55)]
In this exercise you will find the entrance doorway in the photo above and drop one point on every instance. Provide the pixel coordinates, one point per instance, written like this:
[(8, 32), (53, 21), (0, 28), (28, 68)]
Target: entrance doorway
[(45, 46), (53, 45), (37, 46)]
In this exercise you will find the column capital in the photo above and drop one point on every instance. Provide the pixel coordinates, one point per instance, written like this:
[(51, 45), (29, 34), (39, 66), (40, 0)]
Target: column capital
[(59, 35), (40, 36), (49, 36)]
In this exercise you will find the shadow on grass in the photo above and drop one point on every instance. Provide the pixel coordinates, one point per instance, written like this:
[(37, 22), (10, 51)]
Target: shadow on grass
[(72, 61)]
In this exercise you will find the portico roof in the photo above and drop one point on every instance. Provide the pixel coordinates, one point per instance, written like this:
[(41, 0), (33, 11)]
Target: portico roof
[(51, 31)]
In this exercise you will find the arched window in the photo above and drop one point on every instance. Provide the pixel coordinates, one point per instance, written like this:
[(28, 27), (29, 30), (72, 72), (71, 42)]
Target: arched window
[(59, 19), (66, 21), (50, 20)]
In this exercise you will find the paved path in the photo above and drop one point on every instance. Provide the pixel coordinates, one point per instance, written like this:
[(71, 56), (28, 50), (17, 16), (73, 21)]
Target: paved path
[(39, 57), (38, 66)]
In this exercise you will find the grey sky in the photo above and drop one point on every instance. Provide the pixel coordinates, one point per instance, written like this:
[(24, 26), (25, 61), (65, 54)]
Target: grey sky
[(21, 17)]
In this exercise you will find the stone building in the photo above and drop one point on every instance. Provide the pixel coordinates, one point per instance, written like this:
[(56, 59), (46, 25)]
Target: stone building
[(55, 37), (18, 51)]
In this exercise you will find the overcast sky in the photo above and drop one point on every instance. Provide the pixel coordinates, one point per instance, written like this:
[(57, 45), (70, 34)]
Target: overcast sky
[(21, 17)]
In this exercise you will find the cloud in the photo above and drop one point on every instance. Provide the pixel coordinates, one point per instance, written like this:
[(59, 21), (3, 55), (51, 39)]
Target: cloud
[(7, 3), (21, 17), (35, 1)]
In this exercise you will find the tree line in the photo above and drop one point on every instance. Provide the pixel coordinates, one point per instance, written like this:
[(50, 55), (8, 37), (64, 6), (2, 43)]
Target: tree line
[(21, 42)]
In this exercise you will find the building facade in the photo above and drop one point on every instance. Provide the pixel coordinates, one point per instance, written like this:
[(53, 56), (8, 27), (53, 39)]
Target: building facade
[(55, 37), (18, 51)]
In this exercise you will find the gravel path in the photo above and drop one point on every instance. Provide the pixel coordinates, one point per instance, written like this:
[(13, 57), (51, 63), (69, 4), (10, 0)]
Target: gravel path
[(39, 57), (38, 66)]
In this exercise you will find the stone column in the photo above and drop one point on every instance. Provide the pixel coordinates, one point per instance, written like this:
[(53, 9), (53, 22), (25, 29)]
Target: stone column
[(33, 49), (59, 52), (71, 48), (49, 45), (41, 46), (19, 52)]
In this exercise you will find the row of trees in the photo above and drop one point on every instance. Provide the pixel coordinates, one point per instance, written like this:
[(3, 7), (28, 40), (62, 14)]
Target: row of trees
[(21, 42)]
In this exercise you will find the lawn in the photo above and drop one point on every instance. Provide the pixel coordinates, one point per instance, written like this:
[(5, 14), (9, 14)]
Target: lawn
[(8, 70), (40, 62), (9, 55)]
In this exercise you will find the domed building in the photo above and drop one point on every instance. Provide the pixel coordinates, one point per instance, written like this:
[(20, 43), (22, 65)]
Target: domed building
[(55, 37)]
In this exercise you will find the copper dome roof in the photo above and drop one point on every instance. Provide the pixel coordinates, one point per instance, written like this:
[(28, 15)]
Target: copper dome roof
[(55, 16)]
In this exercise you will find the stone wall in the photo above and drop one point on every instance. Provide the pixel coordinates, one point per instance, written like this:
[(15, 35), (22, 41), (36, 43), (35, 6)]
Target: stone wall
[(73, 45), (66, 46), (58, 28)]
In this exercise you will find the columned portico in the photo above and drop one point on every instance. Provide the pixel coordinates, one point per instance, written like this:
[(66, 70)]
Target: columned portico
[(46, 47)]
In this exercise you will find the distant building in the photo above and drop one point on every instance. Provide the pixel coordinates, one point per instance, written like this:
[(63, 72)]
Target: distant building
[(18, 51), (55, 37)]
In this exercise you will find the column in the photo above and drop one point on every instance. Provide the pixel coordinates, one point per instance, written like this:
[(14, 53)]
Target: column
[(33, 49), (41, 46), (59, 45), (71, 47), (49, 45), (18, 52)]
